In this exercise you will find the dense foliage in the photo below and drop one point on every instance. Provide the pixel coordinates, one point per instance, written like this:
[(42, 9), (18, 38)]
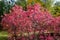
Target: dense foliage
[(34, 20)]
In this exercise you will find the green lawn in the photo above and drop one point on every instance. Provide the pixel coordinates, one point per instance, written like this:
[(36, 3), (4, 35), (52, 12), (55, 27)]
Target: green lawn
[(3, 35)]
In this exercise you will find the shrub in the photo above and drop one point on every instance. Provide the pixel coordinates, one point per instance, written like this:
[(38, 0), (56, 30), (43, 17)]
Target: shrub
[(34, 20)]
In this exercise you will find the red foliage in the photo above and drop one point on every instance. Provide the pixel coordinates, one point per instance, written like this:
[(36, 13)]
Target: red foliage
[(34, 19)]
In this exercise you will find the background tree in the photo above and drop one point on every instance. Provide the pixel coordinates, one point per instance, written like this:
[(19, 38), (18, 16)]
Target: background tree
[(56, 9)]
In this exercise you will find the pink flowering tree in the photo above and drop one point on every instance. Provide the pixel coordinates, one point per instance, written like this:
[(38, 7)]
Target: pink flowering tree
[(24, 25)]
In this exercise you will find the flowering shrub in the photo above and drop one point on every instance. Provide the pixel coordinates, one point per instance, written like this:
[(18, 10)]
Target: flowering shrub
[(34, 21)]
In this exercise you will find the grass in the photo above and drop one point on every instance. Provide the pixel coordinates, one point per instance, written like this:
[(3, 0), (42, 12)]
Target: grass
[(3, 35)]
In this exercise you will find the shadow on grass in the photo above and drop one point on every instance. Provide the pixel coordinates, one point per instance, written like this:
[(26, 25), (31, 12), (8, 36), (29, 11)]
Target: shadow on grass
[(3, 38)]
